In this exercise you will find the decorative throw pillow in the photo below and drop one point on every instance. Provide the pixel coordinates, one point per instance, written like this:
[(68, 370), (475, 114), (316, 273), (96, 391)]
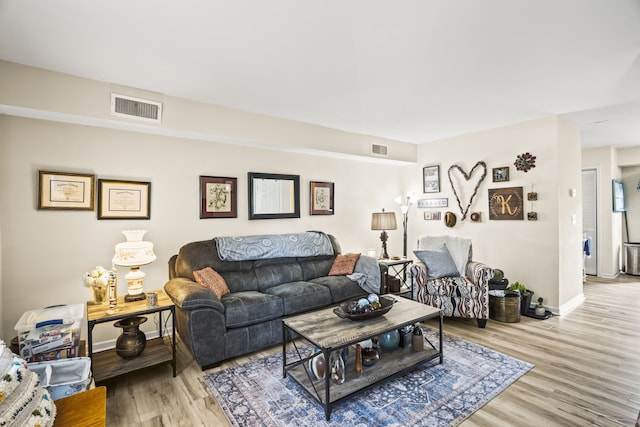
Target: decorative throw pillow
[(438, 261), (211, 279), (344, 264)]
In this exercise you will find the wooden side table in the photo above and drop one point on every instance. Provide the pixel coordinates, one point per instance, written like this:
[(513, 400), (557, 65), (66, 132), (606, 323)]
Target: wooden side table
[(86, 409), (107, 364)]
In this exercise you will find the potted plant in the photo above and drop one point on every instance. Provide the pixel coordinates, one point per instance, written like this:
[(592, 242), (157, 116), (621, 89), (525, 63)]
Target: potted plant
[(525, 296)]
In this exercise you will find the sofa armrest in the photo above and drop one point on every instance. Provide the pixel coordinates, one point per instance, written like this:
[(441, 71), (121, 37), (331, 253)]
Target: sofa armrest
[(188, 295), (479, 273)]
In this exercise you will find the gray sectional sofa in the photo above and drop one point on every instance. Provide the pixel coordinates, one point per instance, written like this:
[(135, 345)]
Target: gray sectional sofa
[(269, 277)]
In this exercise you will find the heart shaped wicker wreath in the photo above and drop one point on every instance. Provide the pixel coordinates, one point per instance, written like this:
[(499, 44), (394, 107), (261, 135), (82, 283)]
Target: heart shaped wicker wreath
[(467, 176)]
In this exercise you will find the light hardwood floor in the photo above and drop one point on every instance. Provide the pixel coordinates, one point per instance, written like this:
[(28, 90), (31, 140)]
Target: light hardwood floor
[(587, 370)]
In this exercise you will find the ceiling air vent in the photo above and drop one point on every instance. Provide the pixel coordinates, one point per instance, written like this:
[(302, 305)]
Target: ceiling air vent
[(136, 108), (379, 150)]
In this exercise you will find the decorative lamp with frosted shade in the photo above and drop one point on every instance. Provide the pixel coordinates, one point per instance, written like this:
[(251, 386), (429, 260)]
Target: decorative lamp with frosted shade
[(383, 221), (134, 253), (405, 203)]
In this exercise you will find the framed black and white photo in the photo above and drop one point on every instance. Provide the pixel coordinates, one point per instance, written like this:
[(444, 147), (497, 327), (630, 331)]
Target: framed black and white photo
[(431, 179), (501, 174)]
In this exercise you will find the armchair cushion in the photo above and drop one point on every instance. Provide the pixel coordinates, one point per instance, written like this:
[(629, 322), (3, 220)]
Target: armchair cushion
[(438, 261)]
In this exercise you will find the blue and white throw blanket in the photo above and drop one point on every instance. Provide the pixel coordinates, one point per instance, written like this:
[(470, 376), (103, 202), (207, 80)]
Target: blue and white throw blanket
[(367, 274), (244, 248)]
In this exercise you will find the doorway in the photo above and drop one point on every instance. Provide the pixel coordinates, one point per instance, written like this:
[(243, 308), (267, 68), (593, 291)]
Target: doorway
[(590, 218)]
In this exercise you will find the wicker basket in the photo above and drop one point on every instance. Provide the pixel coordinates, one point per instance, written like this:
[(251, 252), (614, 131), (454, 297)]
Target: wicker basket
[(504, 309)]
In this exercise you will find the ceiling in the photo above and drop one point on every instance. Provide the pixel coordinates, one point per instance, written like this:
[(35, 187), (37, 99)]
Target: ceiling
[(414, 71)]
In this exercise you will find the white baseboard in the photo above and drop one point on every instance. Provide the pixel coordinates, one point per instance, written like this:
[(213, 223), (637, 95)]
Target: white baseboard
[(567, 307)]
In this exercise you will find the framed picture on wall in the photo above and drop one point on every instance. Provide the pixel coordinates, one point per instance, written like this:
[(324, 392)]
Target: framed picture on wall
[(124, 199), (321, 197), (506, 203), (63, 190), (501, 174), (218, 197), (431, 179)]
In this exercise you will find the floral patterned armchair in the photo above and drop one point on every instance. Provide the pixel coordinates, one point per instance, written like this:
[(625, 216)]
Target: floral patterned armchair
[(448, 279)]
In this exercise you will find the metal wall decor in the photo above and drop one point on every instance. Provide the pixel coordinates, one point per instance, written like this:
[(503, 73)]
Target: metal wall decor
[(525, 161), (467, 176), (506, 204)]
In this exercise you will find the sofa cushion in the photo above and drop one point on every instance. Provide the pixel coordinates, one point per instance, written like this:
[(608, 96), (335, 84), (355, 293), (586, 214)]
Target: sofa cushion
[(211, 279), (247, 308), (344, 264), (314, 267), (301, 296), (272, 272), (341, 288), (438, 261)]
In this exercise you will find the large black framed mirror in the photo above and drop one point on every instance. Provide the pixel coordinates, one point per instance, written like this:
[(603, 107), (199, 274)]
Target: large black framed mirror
[(273, 195)]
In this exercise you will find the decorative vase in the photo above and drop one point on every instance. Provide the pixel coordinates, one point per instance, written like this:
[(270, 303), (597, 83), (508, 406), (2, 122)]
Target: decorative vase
[(337, 367), (369, 356), (317, 366), (389, 341), (99, 294), (132, 341)]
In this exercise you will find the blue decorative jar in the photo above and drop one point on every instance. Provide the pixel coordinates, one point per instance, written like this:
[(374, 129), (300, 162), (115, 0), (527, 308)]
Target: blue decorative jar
[(389, 341)]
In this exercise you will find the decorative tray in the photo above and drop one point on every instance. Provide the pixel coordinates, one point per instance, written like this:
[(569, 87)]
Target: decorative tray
[(346, 309)]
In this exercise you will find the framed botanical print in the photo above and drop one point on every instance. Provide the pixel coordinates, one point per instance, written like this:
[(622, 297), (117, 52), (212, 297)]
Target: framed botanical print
[(218, 197), (63, 190), (431, 179), (124, 199), (321, 196)]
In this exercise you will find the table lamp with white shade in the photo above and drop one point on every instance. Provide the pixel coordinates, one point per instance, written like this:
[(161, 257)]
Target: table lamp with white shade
[(134, 253)]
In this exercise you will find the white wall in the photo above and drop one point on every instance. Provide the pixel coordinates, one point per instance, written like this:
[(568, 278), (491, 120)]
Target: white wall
[(45, 252), (528, 251)]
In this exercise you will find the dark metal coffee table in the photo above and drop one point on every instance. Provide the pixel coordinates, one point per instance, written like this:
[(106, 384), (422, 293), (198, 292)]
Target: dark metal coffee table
[(327, 332)]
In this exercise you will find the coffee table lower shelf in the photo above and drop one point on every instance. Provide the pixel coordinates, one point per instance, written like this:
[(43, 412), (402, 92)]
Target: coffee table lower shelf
[(388, 366)]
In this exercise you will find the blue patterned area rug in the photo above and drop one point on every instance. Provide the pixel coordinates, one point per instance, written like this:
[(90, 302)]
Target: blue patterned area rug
[(255, 394)]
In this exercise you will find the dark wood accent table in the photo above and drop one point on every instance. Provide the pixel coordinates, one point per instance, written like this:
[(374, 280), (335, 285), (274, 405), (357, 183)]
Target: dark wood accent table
[(86, 409), (107, 364), (398, 268), (328, 332)]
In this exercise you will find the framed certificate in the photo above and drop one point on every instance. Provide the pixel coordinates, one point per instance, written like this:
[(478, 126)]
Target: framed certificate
[(61, 190), (124, 199)]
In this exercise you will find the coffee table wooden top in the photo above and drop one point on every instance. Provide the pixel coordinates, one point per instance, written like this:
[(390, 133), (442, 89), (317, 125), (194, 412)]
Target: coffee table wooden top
[(326, 330)]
